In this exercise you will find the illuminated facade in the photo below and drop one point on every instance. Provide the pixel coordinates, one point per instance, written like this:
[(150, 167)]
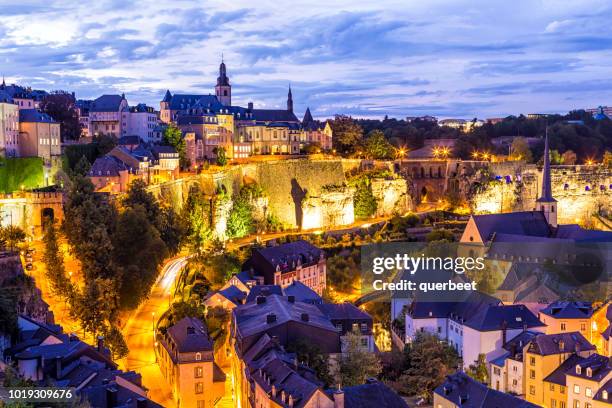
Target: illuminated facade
[(211, 122)]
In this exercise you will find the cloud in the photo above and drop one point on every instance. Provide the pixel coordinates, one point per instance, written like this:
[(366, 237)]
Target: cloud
[(444, 57)]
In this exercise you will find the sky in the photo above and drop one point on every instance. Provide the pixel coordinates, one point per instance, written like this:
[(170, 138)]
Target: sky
[(447, 58)]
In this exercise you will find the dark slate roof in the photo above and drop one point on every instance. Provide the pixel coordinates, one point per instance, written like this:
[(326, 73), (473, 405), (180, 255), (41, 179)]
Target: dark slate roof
[(518, 272), (343, 311), (189, 101), (97, 396), (577, 233), (251, 318), (302, 293), (461, 310), (244, 277), (497, 317), (606, 333), (517, 343), (307, 117), (106, 103), (167, 96), (530, 223), (569, 310), (157, 150), (548, 344), (233, 294), (129, 140), (190, 335), (33, 115), (5, 97), (285, 255), (274, 115), (464, 391), (599, 365), (606, 387), (558, 375), (372, 394), (263, 290), (107, 166), (199, 119)]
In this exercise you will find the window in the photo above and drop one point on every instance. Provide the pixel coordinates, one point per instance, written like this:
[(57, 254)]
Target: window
[(198, 372), (582, 326), (562, 389), (552, 386), (576, 404), (532, 374), (532, 361), (199, 388), (496, 371), (515, 382), (576, 389), (561, 404), (201, 404), (439, 329), (553, 403), (562, 326), (364, 342), (588, 392), (198, 356), (532, 389)]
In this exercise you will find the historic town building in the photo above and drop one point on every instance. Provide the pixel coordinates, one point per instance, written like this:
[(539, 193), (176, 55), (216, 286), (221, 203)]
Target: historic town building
[(210, 122)]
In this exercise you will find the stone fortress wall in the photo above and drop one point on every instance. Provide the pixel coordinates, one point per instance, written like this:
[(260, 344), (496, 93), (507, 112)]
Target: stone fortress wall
[(580, 191)]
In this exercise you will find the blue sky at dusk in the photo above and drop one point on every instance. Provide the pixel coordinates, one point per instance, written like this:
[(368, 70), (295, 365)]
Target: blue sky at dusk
[(483, 58)]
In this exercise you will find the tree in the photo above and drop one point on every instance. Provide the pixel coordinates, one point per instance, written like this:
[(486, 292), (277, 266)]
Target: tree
[(422, 366), (377, 146), (197, 212), (347, 134), (137, 261), (82, 167), (174, 137), (440, 234), (8, 314), (356, 364), (519, 150), (364, 201), (116, 343), (310, 354), (95, 305), (555, 157), (12, 236), (61, 106), (240, 221), (569, 158), (478, 370), (54, 262), (221, 156)]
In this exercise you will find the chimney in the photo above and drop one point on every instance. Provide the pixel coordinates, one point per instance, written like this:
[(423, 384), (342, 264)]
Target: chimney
[(58, 367), (305, 317), (111, 397), (141, 402), (273, 391), (504, 327), (261, 300), (291, 299), (338, 398), (250, 105), (100, 344), (271, 318)]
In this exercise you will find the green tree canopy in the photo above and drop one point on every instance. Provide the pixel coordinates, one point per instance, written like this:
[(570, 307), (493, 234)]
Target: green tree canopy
[(357, 364), (377, 146), (347, 134), (173, 136)]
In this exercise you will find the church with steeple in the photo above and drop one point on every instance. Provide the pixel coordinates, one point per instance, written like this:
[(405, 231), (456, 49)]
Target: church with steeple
[(524, 227), (211, 121)]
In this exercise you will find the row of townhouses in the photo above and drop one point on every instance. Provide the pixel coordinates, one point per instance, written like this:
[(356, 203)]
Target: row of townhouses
[(24, 130)]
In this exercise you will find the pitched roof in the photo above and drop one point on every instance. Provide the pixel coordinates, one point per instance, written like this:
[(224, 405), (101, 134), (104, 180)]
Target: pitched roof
[(599, 368), (167, 96), (34, 115), (107, 103), (607, 387), (549, 344), (460, 310), (288, 254), (263, 290), (233, 294), (529, 223), (546, 194), (496, 317), (307, 117), (372, 394), (252, 318), (343, 311), (558, 375), (274, 115), (190, 335), (107, 166), (464, 391), (569, 310), (129, 140), (191, 101), (302, 293)]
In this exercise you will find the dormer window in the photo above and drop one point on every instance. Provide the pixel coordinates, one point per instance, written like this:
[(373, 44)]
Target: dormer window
[(578, 369), (604, 395), (589, 372), (198, 356)]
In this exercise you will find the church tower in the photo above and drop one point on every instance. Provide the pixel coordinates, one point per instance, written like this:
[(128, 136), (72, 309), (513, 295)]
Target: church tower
[(290, 100), (223, 90), (546, 203)]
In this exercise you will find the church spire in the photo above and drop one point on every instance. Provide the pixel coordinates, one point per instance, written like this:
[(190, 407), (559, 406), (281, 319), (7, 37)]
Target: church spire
[(546, 203), (546, 195), (3, 83), (289, 100)]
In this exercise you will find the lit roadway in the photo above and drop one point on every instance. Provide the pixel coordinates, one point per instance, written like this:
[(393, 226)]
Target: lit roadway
[(138, 333)]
